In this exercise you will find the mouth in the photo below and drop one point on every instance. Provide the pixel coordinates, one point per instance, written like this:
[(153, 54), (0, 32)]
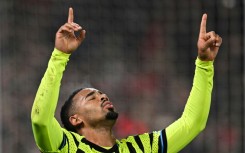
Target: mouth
[(107, 105)]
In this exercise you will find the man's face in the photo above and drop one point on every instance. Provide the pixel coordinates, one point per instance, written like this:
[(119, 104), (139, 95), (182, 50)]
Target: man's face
[(93, 106)]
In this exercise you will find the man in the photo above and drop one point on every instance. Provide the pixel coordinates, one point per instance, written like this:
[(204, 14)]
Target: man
[(88, 115)]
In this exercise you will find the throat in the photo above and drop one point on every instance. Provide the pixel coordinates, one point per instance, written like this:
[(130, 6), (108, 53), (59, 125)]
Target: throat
[(100, 148), (102, 137)]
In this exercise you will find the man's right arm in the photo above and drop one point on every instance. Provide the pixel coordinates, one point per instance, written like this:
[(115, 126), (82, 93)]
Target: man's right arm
[(47, 131)]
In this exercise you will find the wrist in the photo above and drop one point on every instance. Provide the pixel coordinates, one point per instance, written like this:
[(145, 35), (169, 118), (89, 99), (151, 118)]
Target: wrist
[(60, 51), (59, 54), (204, 64)]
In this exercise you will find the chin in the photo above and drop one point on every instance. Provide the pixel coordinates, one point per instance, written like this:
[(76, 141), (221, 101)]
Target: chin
[(112, 115)]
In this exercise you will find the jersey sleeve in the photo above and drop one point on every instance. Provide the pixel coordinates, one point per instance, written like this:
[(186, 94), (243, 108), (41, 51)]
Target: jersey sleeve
[(194, 117), (47, 131)]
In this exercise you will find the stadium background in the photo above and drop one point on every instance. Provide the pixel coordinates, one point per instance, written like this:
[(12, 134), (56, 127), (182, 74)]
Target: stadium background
[(140, 52)]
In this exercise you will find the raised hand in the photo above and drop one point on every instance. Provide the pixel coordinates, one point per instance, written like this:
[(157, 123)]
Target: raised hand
[(208, 43), (66, 40)]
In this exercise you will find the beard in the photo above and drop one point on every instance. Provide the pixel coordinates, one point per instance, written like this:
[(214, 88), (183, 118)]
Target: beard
[(111, 115)]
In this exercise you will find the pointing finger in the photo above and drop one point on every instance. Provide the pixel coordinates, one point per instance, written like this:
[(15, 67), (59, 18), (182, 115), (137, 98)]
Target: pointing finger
[(70, 15), (203, 25)]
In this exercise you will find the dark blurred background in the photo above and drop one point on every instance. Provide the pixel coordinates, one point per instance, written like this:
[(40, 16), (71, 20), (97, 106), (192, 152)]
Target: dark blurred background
[(141, 53)]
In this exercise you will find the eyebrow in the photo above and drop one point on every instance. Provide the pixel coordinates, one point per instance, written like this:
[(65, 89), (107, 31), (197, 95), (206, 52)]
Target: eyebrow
[(89, 94)]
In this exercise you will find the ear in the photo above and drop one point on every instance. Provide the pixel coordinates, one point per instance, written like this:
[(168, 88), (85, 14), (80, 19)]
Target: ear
[(75, 120)]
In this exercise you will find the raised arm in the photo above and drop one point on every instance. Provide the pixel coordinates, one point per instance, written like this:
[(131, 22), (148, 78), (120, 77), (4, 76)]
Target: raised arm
[(47, 131), (194, 117)]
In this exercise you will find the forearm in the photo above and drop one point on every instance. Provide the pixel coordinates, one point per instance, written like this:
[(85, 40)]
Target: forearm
[(194, 117), (46, 129)]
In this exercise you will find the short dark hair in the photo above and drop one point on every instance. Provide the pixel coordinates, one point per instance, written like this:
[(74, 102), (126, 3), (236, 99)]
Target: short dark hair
[(66, 110)]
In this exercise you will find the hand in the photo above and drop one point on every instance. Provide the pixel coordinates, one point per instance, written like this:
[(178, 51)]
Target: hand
[(66, 40), (208, 43)]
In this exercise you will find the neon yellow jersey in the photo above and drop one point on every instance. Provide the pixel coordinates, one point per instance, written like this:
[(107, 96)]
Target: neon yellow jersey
[(148, 142), (51, 137)]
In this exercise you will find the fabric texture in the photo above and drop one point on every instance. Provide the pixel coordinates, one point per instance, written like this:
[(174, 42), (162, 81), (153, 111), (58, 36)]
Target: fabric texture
[(51, 137)]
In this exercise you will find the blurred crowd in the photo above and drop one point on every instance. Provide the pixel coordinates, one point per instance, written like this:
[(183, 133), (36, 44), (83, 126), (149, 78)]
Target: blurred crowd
[(140, 53)]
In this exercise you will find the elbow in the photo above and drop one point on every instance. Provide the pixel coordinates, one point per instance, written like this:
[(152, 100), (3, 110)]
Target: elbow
[(202, 123), (202, 126), (196, 125), (39, 123), (37, 119)]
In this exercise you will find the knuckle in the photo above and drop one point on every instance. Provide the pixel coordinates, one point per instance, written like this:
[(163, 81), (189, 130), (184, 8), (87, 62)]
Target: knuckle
[(212, 34)]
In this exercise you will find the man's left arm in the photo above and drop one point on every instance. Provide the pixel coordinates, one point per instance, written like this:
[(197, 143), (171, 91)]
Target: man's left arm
[(195, 115)]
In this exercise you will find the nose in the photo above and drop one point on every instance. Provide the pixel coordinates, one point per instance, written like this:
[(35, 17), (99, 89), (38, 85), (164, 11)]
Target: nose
[(104, 98)]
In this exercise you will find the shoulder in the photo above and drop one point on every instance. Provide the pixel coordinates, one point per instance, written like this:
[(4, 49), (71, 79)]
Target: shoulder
[(71, 140), (144, 136), (72, 135)]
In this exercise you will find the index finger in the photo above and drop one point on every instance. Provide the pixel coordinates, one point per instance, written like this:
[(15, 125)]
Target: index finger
[(203, 24), (70, 15)]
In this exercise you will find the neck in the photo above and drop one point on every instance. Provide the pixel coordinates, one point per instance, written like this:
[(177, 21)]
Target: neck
[(101, 136)]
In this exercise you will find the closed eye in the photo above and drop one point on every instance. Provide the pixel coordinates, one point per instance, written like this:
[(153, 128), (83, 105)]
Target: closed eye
[(92, 98), (91, 94)]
